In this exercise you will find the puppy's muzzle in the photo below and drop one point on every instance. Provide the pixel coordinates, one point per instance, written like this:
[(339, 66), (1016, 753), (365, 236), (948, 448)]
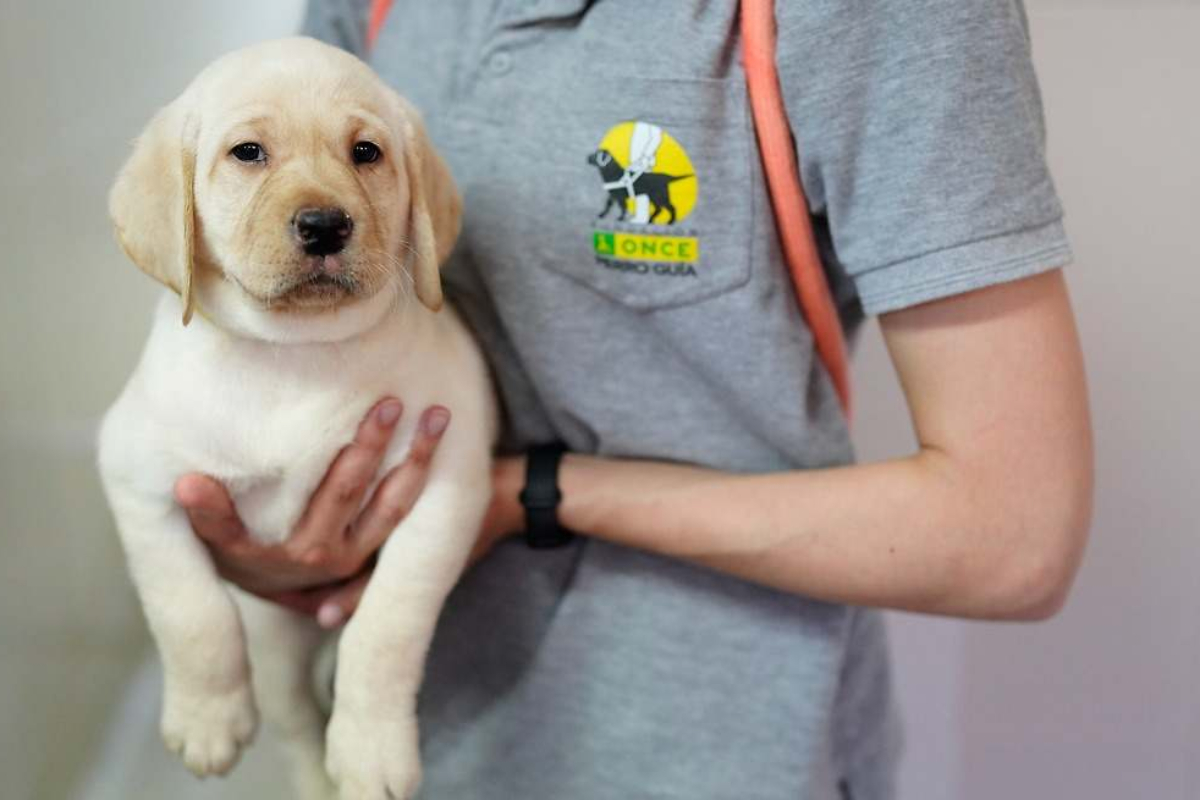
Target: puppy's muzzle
[(322, 231)]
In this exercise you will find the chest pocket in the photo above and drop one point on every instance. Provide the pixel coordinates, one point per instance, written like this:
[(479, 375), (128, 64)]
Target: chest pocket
[(639, 189)]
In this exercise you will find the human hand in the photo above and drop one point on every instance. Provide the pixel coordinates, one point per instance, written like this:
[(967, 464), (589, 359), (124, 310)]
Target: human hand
[(323, 566)]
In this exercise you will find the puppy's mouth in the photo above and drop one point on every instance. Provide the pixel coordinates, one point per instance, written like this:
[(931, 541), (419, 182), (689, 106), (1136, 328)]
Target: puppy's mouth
[(326, 283)]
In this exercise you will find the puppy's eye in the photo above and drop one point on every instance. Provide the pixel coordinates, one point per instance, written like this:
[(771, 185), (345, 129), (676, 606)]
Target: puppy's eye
[(249, 152), (366, 153)]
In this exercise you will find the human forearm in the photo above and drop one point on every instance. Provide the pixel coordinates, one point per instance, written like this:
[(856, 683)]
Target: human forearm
[(911, 533)]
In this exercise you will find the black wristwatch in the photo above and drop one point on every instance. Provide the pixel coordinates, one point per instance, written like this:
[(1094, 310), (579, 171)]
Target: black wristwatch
[(541, 497)]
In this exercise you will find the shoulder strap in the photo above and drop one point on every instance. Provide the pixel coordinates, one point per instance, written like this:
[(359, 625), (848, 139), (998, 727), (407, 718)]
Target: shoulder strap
[(787, 193), (379, 12)]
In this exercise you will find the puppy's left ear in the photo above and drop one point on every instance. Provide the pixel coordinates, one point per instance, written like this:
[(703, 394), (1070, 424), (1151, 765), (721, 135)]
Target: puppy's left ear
[(152, 202), (435, 209)]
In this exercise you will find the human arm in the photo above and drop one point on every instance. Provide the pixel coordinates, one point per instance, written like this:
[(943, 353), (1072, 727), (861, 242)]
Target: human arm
[(987, 519)]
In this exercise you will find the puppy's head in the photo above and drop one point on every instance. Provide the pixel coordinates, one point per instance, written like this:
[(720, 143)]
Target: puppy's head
[(287, 184)]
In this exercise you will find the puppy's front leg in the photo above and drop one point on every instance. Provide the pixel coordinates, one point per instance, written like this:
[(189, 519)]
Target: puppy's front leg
[(208, 707), (373, 750)]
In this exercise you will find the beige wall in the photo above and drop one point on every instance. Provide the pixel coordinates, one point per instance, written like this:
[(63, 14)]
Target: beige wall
[(77, 81), (1098, 703), (1101, 702)]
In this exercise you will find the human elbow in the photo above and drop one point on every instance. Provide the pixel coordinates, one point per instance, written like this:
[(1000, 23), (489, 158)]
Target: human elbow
[(1038, 591), (1033, 579), (1027, 531)]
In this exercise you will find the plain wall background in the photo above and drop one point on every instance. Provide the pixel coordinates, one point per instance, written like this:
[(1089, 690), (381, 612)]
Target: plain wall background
[(1098, 703)]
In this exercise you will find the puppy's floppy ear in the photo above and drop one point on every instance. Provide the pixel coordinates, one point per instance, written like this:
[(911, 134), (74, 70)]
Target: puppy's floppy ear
[(435, 209), (152, 202)]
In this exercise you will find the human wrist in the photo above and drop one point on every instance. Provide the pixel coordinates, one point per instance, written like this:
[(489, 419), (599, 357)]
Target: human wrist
[(541, 497), (581, 479)]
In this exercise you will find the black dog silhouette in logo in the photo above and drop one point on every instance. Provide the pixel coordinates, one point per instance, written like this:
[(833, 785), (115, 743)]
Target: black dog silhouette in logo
[(652, 184)]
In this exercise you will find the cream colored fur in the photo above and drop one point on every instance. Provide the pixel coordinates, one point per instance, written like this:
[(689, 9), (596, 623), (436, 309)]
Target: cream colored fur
[(269, 381)]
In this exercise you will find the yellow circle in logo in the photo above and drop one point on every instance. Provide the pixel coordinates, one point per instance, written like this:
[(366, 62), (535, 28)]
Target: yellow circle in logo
[(650, 171)]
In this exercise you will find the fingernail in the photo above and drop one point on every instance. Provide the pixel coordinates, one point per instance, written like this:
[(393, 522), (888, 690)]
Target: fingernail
[(436, 420), (389, 412), (330, 616)]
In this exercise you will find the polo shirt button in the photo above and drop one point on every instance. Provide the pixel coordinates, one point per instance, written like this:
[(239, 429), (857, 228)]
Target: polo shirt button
[(500, 63)]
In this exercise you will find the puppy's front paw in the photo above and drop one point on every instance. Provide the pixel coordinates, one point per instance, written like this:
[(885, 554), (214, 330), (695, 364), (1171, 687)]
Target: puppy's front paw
[(371, 758), (208, 731)]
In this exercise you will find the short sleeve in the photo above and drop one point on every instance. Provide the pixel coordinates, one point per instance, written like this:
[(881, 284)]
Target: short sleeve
[(920, 130), (339, 22)]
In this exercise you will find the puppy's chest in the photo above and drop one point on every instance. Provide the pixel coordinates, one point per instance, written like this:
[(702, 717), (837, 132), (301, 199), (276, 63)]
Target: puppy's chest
[(268, 421), (268, 428), (272, 457)]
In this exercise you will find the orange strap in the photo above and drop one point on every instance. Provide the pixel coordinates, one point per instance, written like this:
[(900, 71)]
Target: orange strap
[(379, 12), (787, 193), (783, 180)]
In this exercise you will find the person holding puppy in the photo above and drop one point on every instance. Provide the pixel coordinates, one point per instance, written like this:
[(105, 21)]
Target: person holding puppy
[(711, 630)]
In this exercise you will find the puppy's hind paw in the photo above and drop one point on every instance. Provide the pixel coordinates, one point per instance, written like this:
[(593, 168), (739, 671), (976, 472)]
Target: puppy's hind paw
[(373, 759), (209, 731)]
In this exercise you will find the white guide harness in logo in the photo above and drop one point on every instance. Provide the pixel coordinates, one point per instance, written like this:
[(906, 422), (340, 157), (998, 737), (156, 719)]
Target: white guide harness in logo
[(643, 151)]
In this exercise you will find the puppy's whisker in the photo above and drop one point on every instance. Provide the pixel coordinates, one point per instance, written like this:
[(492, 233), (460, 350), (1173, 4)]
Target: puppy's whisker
[(399, 280)]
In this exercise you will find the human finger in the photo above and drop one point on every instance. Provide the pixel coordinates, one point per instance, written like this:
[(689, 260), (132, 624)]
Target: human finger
[(305, 601), (210, 510), (339, 605), (339, 496), (332, 604)]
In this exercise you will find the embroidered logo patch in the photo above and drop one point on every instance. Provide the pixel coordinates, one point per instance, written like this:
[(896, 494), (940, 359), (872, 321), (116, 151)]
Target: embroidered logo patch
[(650, 186)]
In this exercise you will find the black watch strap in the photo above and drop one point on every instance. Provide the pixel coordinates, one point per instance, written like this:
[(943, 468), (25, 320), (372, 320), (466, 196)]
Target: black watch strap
[(541, 497)]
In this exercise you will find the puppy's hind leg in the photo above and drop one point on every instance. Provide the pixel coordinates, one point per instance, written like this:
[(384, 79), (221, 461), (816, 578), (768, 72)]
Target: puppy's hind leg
[(283, 646)]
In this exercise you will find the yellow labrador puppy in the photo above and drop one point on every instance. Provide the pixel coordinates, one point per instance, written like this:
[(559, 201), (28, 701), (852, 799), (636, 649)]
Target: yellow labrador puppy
[(295, 208)]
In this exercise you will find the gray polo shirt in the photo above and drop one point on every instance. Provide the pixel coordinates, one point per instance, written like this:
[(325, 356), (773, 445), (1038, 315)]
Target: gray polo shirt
[(620, 265)]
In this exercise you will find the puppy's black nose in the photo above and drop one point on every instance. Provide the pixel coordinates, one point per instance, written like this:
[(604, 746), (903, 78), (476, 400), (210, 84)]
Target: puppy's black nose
[(322, 231)]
